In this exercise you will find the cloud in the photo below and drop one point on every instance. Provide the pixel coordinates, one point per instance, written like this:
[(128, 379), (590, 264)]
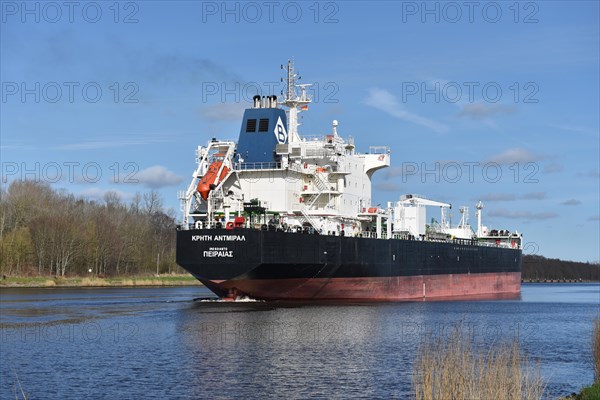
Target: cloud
[(384, 101), (491, 197), (392, 172), (576, 129), (525, 215), (594, 218), (481, 110), (593, 173), (515, 155), (388, 186), (157, 177), (570, 202), (10, 144), (552, 168), (534, 196), (224, 111)]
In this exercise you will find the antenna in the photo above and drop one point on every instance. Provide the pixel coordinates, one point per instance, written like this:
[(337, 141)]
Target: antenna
[(293, 101)]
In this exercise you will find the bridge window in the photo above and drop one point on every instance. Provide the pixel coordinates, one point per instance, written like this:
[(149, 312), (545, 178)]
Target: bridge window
[(263, 125), (251, 125)]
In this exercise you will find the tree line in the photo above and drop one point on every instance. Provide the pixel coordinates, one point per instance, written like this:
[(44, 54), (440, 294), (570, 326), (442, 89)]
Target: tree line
[(51, 232), (541, 268)]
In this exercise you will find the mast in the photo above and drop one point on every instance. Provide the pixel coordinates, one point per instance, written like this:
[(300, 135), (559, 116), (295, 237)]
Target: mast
[(479, 206), (293, 101)]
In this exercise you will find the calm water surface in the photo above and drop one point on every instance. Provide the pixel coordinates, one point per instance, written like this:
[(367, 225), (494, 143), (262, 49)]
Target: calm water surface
[(160, 343)]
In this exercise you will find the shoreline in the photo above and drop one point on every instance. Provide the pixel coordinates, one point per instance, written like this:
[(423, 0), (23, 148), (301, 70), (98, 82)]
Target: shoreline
[(86, 281)]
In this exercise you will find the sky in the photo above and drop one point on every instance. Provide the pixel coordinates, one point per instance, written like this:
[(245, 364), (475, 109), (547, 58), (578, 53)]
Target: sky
[(490, 101)]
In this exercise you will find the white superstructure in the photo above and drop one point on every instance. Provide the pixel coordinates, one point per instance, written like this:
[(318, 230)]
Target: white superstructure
[(315, 184)]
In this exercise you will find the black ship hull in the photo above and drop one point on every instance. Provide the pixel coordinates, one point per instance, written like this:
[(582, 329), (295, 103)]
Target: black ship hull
[(280, 265)]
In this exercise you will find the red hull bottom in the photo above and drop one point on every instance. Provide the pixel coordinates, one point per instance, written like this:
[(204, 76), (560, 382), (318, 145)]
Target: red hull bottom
[(397, 288)]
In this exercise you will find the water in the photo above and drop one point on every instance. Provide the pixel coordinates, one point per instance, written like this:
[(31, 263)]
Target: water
[(159, 343)]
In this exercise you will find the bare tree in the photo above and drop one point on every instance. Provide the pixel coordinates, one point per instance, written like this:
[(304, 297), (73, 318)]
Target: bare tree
[(52, 231), (152, 202)]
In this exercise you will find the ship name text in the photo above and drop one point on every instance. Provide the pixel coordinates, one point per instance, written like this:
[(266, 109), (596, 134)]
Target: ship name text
[(218, 238)]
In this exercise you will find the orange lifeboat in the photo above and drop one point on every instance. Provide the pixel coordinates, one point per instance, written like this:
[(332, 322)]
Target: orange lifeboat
[(207, 182)]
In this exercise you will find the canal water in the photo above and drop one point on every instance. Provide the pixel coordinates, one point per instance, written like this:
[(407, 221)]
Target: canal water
[(165, 343)]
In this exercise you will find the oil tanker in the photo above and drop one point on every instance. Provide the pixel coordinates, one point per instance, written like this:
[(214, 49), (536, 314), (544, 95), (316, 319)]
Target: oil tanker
[(282, 216)]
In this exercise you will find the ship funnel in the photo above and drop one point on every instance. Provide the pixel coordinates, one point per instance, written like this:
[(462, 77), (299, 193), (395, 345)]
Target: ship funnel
[(256, 100)]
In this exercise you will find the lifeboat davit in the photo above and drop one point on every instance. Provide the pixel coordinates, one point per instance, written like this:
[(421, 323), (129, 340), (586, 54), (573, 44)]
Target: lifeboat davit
[(207, 183)]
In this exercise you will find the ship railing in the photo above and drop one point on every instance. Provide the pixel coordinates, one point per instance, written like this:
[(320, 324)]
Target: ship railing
[(328, 138), (379, 149), (245, 166), (313, 138), (487, 244), (464, 241), (318, 153), (312, 168), (364, 234)]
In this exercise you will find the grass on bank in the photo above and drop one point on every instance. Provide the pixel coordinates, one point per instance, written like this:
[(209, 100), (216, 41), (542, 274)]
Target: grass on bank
[(596, 350), (590, 392), (450, 368), (94, 281)]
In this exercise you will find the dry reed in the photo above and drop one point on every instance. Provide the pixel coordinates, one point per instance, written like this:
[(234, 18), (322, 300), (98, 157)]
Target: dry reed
[(453, 369), (89, 282)]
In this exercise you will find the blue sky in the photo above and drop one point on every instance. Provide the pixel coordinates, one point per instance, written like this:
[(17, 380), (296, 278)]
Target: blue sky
[(460, 92)]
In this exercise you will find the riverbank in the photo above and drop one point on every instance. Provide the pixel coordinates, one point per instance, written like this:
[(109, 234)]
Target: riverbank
[(94, 281), (588, 393)]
